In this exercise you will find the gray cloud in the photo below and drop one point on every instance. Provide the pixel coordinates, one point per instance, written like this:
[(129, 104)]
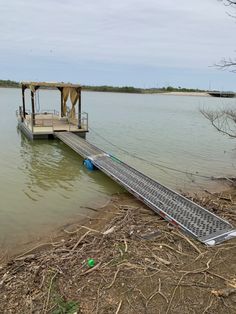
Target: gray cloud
[(153, 32)]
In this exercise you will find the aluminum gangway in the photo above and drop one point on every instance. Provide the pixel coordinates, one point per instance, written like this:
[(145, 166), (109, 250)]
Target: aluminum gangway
[(195, 220)]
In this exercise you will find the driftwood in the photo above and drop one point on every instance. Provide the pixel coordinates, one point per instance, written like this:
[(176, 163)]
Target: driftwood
[(140, 265)]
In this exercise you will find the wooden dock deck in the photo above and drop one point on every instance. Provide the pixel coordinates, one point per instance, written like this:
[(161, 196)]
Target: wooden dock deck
[(193, 219), (44, 125)]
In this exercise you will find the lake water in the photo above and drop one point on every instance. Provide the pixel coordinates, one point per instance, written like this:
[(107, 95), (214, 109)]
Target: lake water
[(43, 184)]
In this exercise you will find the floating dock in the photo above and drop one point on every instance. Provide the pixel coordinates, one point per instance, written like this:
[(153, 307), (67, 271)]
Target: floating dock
[(193, 219), (39, 124)]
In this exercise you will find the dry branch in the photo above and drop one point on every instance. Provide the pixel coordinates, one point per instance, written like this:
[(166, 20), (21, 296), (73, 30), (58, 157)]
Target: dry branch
[(116, 277), (223, 292)]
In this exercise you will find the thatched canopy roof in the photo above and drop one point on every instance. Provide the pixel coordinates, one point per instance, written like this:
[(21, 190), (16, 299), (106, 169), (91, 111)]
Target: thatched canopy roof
[(36, 85)]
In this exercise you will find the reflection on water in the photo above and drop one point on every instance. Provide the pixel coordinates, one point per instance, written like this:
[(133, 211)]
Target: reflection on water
[(43, 184), (48, 165)]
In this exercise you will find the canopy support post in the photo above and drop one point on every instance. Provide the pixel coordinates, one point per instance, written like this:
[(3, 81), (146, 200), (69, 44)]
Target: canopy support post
[(23, 100), (32, 107), (61, 90), (79, 108)]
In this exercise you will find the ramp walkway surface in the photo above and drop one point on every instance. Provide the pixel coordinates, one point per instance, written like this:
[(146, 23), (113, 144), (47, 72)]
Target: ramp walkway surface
[(175, 208)]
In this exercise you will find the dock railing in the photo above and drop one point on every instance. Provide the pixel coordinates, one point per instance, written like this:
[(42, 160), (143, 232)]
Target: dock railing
[(47, 120), (81, 121), (38, 120), (19, 114), (42, 120)]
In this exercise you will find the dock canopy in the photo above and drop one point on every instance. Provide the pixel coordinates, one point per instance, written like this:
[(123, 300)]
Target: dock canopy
[(58, 85), (66, 89)]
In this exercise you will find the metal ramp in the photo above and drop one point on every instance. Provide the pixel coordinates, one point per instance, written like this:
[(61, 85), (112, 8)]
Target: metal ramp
[(178, 210)]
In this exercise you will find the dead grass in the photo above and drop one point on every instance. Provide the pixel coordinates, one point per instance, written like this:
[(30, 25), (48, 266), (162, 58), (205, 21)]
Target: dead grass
[(142, 265)]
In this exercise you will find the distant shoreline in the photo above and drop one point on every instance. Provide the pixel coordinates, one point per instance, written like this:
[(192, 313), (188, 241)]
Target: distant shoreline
[(170, 90), (202, 94), (128, 89)]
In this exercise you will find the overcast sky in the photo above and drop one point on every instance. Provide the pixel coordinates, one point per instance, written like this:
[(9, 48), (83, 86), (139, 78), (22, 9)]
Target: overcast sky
[(127, 42)]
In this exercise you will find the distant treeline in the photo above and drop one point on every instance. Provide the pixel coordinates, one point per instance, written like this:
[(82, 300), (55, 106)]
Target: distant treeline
[(130, 89), (105, 88), (123, 89), (9, 83)]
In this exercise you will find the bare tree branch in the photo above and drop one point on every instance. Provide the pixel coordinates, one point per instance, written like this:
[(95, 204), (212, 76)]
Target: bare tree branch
[(227, 64), (228, 2), (223, 120)]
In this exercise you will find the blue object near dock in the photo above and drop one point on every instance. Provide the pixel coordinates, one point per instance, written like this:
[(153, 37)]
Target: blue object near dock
[(89, 165)]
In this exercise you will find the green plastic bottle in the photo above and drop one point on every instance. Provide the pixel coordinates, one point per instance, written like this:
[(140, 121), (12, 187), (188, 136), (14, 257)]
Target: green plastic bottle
[(91, 262)]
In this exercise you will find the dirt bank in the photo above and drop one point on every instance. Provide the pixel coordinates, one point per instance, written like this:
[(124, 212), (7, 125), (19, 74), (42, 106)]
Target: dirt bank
[(142, 265)]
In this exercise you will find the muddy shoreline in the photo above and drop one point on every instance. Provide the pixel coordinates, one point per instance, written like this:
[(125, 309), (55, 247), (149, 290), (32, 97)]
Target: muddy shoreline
[(141, 264), (95, 214)]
